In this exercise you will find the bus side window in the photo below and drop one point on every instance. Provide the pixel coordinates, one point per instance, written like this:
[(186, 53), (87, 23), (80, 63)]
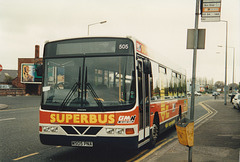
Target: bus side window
[(140, 83)]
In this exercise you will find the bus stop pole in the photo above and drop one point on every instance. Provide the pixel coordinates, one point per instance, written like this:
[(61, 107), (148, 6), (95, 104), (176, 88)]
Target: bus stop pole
[(194, 71)]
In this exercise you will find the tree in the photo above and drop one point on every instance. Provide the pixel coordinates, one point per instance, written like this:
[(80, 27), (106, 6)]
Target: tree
[(8, 79), (233, 86), (219, 85)]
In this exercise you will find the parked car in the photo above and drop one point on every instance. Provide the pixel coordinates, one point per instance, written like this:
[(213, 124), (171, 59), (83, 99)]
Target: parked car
[(215, 93), (236, 101), (231, 94), (197, 93)]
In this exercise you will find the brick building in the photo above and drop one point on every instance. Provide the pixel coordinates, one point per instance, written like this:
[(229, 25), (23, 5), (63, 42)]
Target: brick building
[(27, 78)]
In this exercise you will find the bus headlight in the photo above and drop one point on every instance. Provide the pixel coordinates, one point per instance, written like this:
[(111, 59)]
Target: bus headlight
[(50, 129), (119, 130), (110, 130)]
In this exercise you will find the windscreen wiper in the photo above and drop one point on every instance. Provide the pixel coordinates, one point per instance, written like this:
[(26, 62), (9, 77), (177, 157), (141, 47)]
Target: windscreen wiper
[(73, 90), (69, 95), (93, 93), (95, 96)]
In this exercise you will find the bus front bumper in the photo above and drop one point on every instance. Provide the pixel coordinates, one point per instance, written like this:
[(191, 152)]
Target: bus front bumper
[(93, 142)]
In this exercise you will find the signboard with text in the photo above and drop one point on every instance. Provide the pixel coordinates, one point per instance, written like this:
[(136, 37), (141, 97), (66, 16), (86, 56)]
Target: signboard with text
[(211, 10)]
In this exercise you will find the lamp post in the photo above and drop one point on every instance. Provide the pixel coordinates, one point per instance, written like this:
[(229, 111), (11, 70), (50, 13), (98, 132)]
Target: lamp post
[(233, 66), (233, 76), (225, 82), (101, 22)]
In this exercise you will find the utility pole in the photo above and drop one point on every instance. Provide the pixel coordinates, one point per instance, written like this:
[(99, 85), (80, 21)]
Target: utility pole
[(226, 56)]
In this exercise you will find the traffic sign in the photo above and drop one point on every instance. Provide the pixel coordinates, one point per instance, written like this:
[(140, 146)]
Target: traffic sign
[(211, 10), (212, 5), (201, 38), (1, 68)]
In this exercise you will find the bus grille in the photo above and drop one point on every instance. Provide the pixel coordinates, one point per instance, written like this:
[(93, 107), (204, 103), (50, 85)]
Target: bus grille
[(78, 130)]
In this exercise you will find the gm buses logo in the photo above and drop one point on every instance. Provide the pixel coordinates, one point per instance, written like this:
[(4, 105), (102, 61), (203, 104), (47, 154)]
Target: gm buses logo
[(126, 119)]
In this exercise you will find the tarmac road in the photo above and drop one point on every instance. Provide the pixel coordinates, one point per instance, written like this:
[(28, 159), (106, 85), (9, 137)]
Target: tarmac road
[(19, 137), (13, 102)]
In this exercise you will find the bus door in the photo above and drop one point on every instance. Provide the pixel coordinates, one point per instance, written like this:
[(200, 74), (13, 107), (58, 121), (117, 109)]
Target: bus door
[(143, 94)]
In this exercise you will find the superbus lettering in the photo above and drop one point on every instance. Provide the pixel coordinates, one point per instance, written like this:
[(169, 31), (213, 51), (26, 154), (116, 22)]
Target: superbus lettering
[(164, 112), (169, 124), (82, 118)]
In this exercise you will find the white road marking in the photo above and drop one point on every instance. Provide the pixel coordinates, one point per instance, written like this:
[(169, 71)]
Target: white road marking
[(7, 119)]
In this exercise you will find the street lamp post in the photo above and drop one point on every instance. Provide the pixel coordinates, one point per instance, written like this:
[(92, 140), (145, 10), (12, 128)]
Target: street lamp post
[(101, 22), (233, 75), (225, 82), (233, 66)]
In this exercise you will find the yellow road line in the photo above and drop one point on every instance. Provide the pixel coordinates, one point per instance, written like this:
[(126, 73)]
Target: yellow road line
[(135, 157), (36, 153), (209, 112), (153, 150), (23, 157), (161, 141), (204, 116)]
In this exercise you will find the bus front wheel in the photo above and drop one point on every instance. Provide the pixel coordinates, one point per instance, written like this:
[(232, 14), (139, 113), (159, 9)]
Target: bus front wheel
[(154, 135)]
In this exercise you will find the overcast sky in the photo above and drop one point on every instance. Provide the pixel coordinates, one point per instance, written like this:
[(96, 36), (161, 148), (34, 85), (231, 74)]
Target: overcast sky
[(162, 25)]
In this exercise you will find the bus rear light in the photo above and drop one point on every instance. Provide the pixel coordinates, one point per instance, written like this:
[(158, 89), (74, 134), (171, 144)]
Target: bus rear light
[(129, 131), (40, 128)]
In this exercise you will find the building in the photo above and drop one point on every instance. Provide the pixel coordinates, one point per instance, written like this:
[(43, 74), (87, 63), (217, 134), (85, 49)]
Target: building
[(27, 77)]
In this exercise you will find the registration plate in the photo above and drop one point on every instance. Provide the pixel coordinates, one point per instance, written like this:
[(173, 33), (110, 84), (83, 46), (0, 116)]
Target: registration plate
[(82, 143)]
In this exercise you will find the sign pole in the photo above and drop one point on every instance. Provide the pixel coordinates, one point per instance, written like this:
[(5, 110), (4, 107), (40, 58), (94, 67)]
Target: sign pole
[(194, 71)]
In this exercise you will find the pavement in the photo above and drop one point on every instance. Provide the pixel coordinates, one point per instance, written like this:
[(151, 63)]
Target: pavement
[(216, 138)]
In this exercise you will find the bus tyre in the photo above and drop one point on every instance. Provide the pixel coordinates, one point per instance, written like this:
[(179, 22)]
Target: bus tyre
[(153, 135)]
